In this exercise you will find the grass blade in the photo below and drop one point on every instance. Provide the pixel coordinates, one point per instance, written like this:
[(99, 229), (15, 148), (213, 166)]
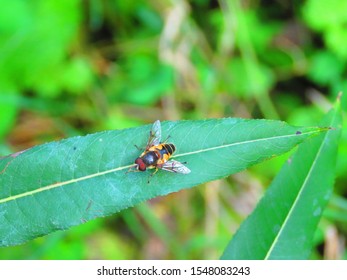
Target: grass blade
[(283, 224)]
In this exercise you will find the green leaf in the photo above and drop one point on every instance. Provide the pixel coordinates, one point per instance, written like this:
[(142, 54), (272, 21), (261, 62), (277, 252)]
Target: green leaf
[(321, 61), (322, 15), (37, 54), (60, 184), (283, 224), (250, 78)]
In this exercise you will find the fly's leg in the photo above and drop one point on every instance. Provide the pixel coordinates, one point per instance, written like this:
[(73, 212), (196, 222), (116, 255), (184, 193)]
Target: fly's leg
[(132, 169), (137, 147), (167, 138), (150, 176)]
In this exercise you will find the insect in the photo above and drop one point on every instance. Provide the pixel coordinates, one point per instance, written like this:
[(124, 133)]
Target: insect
[(157, 155)]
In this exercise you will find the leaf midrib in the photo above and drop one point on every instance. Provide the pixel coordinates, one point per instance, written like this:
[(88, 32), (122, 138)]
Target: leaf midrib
[(60, 184)]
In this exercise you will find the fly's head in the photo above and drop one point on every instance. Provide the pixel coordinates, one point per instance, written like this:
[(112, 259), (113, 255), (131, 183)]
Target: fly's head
[(140, 165)]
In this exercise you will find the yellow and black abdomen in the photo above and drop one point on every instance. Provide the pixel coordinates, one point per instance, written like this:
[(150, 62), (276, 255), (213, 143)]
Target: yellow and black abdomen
[(169, 148), (165, 150)]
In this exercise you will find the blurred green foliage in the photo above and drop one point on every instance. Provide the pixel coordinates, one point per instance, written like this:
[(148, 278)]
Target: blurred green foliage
[(73, 67)]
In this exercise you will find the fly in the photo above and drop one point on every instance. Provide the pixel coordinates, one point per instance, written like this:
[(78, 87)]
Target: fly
[(157, 155)]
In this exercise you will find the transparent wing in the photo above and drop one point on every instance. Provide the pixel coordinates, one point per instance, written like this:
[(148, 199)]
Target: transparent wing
[(154, 135), (175, 166)]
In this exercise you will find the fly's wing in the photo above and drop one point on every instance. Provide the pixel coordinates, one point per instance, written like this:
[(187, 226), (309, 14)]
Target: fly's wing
[(175, 166), (154, 135)]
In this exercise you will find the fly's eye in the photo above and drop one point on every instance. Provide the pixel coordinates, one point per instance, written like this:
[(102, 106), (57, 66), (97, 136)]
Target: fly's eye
[(142, 167), (140, 164)]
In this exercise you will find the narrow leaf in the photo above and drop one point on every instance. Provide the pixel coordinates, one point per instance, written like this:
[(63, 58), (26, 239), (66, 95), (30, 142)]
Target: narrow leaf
[(283, 224), (60, 184)]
